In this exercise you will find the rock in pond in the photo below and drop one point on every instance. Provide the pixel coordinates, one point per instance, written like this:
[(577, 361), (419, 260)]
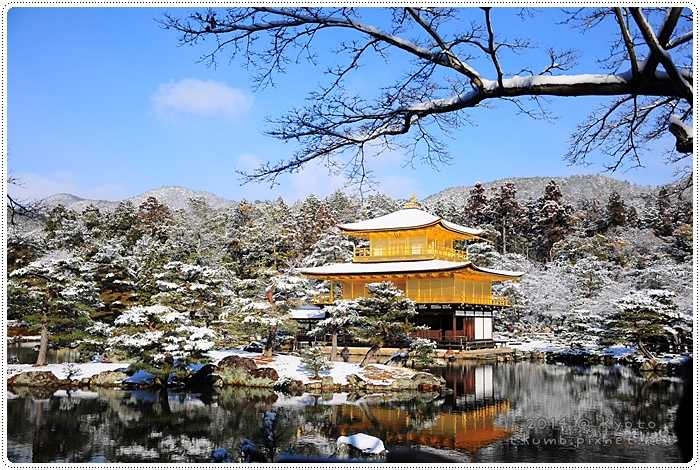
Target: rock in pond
[(109, 378), (34, 379), (237, 362), (377, 377), (363, 442), (265, 373)]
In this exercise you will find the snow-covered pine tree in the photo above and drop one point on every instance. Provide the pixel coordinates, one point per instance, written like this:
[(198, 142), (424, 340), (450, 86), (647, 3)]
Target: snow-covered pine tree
[(616, 210), (384, 317), (552, 219), (160, 337), (506, 212), (312, 217), (591, 275), (267, 317), (665, 219), (423, 352), (476, 211), (332, 247), (56, 293), (377, 205), (643, 318), (153, 218), (314, 361), (340, 318)]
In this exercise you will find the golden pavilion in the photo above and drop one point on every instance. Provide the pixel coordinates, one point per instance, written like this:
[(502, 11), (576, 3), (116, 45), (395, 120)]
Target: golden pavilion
[(417, 252)]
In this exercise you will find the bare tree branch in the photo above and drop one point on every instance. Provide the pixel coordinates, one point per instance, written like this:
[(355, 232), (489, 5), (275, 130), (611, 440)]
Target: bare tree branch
[(433, 93), (659, 53), (629, 42)]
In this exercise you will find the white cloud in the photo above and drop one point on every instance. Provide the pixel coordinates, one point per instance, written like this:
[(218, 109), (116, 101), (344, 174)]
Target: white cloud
[(200, 97), (33, 186)]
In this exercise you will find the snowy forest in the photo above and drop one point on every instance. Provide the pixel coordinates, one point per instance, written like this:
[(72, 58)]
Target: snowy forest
[(157, 278)]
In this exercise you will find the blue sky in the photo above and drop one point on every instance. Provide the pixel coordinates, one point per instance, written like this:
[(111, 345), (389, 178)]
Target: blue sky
[(103, 103)]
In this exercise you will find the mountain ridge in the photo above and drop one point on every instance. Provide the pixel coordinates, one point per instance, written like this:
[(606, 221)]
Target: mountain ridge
[(575, 188)]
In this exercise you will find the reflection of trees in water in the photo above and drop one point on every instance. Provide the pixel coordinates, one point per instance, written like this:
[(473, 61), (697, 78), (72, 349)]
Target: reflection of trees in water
[(589, 404), (52, 428), (148, 426), (134, 426)]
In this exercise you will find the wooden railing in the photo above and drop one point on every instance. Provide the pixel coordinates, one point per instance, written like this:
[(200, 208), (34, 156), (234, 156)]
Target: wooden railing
[(325, 299), (365, 255)]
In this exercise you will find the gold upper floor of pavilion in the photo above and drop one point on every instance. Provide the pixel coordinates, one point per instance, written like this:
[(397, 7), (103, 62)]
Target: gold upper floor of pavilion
[(409, 234)]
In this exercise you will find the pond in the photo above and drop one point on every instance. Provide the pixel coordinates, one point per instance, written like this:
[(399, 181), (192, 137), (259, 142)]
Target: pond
[(27, 353), (504, 412)]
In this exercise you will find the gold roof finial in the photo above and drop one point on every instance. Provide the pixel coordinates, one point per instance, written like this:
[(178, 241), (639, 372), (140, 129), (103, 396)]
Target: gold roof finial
[(412, 203)]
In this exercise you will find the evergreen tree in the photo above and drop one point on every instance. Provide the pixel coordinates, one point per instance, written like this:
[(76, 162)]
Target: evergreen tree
[(313, 360), (616, 210), (476, 211), (664, 209), (552, 219), (377, 205), (384, 317), (340, 317), (160, 337), (631, 217), (591, 275), (332, 247), (506, 212), (56, 294), (153, 218), (313, 217), (642, 318)]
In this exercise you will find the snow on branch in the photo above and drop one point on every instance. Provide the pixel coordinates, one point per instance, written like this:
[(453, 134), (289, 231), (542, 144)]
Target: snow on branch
[(432, 94)]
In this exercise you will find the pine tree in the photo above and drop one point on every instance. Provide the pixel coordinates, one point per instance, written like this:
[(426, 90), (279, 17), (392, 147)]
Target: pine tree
[(631, 217), (313, 360), (332, 247), (160, 337), (664, 222), (340, 317), (641, 318), (476, 210), (58, 294), (153, 218), (313, 217), (506, 212), (384, 317), (616, 210), (552, 219), (591, 275)]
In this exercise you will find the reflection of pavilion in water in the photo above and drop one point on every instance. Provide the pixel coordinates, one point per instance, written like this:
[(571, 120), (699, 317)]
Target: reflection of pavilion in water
[(464, 422)]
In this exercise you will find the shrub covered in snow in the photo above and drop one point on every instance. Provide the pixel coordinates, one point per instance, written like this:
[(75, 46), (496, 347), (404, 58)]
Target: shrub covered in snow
[(314, 361), (158, 335), (423, 352)]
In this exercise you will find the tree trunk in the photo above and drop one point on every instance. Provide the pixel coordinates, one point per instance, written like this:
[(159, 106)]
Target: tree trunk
[(42, 359), (374, 349), (270, 342), (647, 353), (503, 235), (334, 346)]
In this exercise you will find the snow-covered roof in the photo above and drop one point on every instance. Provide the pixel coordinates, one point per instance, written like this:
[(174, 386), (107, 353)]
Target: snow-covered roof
[(402, 267), (306, 313), (404, 219)]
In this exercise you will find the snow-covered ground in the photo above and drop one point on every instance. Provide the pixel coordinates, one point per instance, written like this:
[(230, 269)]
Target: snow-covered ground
[(288, 366), (61, 371)]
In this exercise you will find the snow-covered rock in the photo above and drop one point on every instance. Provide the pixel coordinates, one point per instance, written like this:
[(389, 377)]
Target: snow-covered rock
[(363, 442)]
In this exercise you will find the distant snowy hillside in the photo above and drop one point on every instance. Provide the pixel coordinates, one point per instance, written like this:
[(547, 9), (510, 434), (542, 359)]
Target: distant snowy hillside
[(574, 188), (175, 197)]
